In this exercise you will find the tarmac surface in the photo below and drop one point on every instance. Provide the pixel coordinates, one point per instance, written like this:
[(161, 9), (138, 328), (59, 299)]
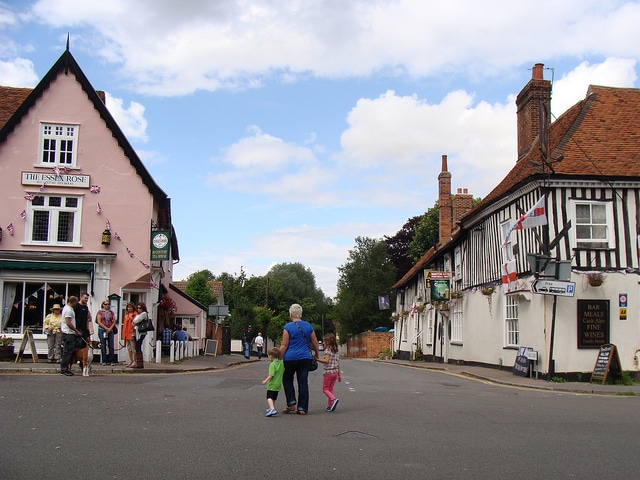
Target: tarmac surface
[(209, 362)]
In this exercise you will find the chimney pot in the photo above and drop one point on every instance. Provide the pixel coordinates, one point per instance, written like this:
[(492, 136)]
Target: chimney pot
[(465, 190), (537, 71)]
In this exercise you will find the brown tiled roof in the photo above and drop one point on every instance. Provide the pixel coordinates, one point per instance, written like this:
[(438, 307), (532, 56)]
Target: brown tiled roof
[(216, 287), (597, 137), (10, 100)]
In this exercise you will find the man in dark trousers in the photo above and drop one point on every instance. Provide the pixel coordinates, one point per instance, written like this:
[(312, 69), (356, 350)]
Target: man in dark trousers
[(247, 340), (83, 316), (70, 336)]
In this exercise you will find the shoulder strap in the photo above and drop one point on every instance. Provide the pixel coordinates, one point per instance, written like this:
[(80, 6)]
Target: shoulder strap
[(305, 338)]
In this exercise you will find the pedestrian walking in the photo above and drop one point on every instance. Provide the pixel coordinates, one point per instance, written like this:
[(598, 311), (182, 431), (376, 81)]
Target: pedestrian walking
[(273, 380), (331, 372)]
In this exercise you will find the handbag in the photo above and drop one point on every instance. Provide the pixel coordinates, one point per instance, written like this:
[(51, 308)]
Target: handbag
[(146, 325), (314, 362)]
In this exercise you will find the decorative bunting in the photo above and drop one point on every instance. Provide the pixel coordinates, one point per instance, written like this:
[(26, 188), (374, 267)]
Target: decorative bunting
[(94, 189), (98, 208), (29, 196), (10, 228)]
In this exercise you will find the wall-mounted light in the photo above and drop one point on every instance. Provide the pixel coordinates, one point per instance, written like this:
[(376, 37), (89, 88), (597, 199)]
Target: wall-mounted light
[(106, 237)]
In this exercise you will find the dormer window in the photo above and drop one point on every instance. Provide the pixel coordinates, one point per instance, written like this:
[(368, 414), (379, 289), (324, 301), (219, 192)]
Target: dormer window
[(58, 145)]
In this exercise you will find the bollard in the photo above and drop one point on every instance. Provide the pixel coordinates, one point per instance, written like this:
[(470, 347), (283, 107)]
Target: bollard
[(172, 354), (159, 351)]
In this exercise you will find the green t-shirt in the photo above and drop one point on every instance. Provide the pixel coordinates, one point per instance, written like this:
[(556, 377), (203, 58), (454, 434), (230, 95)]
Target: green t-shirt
[(276, 370)]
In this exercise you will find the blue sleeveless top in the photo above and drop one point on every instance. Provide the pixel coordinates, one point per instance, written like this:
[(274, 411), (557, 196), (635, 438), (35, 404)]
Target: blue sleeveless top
[(298, 349)]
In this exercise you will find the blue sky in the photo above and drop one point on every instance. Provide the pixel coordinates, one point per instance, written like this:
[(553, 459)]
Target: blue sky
[(283, 130)]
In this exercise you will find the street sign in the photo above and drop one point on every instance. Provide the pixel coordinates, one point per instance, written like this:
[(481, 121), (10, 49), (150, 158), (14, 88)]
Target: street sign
[(554, 287)]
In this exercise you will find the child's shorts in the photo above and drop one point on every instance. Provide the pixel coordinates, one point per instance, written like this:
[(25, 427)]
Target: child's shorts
[(272, 394)]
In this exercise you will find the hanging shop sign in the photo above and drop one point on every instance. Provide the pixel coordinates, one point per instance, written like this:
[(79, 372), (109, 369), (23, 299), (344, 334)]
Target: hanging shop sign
[(160, 245)]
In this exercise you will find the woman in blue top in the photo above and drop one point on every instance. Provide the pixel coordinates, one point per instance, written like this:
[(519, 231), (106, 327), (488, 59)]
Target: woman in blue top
[(297, 359)]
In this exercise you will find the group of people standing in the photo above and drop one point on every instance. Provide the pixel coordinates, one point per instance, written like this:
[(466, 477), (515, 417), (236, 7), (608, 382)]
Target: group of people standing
[(70, 328), (293, 360)]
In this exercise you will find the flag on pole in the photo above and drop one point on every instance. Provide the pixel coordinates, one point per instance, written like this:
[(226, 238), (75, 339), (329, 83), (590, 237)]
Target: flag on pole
[(533, 218), (509, 276)]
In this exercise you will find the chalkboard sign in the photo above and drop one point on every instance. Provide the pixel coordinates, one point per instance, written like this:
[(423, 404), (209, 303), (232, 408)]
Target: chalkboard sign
[(211, 348), (608, 362), (522, 365), (27, 338)]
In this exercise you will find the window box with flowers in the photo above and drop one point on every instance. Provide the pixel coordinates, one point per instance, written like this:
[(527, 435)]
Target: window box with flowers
[(6, 349)]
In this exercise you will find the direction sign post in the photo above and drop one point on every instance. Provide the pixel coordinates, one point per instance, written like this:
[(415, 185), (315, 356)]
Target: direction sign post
[(554, 287)]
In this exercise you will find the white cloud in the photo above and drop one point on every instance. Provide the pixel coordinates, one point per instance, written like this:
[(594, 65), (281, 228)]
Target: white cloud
[(174, 48), (572, 86), (131, 119), (18, 73), (264, 164), (402, 140)]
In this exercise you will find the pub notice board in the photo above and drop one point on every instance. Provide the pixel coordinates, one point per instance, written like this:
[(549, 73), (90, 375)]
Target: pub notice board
[(211, 348), (608, 362)]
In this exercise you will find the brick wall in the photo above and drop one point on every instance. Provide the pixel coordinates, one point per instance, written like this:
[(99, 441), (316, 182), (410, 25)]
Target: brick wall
[(368, 344)]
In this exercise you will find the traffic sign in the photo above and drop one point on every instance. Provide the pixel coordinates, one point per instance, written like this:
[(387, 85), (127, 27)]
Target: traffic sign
[(554, 287)]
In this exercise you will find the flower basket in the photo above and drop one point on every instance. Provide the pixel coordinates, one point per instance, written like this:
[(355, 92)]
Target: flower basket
[(487, 291), (595, 279)]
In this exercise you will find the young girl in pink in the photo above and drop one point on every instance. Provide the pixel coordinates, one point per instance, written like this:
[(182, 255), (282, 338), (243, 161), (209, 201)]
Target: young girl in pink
[(331, 372)]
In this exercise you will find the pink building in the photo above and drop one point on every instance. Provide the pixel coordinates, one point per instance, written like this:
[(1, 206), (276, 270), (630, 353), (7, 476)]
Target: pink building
[(80, 212)]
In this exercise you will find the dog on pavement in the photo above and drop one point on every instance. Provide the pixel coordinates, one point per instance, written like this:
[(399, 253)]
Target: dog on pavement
[(84, 356)]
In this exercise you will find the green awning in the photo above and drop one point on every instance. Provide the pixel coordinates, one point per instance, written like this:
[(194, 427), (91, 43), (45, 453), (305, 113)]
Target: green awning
[(49, 266), (57, 266)]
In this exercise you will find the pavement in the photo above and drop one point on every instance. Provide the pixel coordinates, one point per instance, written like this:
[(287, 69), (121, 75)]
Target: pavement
[(209, 362)]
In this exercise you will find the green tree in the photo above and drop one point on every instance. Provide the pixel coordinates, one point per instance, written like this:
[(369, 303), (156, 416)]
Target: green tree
[(426, 234), (294, 283), (197, 287), (367, 273), (398, 246)]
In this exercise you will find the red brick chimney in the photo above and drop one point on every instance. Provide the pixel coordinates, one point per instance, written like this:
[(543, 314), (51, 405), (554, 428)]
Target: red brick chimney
[(462, 204), (445, 210), (528, 102)]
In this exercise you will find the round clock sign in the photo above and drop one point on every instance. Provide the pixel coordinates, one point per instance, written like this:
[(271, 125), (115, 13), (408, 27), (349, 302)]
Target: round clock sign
[(160, 240)]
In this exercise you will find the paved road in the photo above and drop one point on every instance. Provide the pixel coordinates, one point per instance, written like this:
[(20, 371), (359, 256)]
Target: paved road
[(391, 422)]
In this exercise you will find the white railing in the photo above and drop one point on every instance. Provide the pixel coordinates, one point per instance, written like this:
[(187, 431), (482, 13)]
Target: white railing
[(177, 350)]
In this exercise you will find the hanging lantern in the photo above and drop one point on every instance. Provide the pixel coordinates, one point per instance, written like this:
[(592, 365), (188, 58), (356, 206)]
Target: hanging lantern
[(106, 237)]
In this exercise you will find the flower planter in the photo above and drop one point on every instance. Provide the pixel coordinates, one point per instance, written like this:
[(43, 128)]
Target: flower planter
[(6, 353), (595, 282)]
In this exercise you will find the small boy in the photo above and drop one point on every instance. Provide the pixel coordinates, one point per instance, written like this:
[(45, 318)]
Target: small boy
[(274, 380)]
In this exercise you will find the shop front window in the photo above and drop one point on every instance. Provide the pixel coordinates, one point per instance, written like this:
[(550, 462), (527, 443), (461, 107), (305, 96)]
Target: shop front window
[(25, 304)]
